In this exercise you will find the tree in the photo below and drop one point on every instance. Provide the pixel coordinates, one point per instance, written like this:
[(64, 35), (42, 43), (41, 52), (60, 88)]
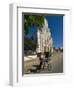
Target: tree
[(32, 20)]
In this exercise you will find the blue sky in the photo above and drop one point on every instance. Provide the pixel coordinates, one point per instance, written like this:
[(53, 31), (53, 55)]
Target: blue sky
[(55, 23)]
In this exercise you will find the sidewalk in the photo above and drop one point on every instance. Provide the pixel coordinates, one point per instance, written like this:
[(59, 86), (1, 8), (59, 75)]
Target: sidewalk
[(31, 57)]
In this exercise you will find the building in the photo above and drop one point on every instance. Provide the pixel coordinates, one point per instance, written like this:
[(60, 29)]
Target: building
[(44, 39)]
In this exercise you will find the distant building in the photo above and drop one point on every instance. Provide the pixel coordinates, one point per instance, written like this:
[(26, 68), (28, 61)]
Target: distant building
[(44, 39)]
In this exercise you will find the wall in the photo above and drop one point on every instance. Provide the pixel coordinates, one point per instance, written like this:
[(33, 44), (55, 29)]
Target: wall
[(4, 49)]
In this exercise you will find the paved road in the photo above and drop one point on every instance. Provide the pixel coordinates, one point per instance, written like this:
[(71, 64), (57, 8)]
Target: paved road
[(56, 63)]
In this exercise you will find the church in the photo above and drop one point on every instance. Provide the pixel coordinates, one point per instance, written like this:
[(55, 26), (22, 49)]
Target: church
[(44, 39)]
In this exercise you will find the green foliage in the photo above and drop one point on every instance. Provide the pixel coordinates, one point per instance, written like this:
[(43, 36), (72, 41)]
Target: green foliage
[(32, 20), (29, 44)]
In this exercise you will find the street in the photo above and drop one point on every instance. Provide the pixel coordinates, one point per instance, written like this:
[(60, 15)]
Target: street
[(55, 63)]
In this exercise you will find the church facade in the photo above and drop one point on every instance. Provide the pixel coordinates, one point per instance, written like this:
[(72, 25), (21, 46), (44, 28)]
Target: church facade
[(44, 39)]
